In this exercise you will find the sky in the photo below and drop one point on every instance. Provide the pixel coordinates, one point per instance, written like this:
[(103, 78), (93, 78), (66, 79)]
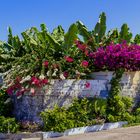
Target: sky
[(23, 14)]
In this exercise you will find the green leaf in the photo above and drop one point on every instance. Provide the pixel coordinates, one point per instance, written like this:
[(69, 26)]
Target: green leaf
[(125, 34), (83, 31), (100, 28), (71, 36), (58, 34)]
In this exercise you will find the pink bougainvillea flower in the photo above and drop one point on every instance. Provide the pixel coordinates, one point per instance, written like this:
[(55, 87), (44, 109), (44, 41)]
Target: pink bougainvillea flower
[(35, 81), (32, 90), (91, 54), (18, 93), (44, 81), (80, 45), (68, 59), (86, 52), (10, 90), (85, 63), (66, 74), (18, 79), (46, 63), (87, 85), (117, 56)]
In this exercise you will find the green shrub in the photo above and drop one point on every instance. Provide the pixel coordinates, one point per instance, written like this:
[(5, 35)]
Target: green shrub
[(78, 112), (128, 102), (118, 108), (137, 112), (8, 125), (97, 108), (128, 117), (5, 107), (56, 119), (82, 112)]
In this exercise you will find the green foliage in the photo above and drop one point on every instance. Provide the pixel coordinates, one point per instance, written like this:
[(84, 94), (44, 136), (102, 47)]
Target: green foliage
[(86, 35), (125, 34), (5, 105), (96, 37), (137, 39), (82, 112), (98, 108), (112, 36), (8, 125), (56, 120), (58, 34), (71, 36), (137, 112), (79, 111), (118, 107), (100, 28)]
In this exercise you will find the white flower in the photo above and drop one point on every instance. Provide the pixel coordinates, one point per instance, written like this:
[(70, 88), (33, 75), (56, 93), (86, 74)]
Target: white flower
[(48, 73), (62, 77), (54, 74), (41, 76), (55, 70), (26, 79), (77, 72)]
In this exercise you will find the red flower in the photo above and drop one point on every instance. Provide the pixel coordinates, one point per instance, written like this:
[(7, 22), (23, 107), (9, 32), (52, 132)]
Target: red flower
[(86, 52), (81, 46), (10, 90), (66, 74), (87, 85), (18, 79), (68, 59), (46, 63), (35, 81), (44, 81), (85, 63)]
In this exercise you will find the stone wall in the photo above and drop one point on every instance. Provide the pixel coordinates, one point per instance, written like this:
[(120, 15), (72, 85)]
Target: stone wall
[(62, 92)]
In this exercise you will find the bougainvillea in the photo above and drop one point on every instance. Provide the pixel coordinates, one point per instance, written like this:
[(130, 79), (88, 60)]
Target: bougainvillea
[(19, 88), (85, 63), (117, 56), (46, 63), (68, 59)]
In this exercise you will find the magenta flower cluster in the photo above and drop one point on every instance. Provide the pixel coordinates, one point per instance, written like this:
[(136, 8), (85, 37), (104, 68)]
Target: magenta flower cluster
[(117, 56)]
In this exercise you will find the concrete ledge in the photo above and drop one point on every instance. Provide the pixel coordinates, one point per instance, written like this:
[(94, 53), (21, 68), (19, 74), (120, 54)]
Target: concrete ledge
[(82, 130)]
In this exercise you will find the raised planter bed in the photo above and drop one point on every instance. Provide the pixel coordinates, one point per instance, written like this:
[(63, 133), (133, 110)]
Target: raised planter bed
[(63, 92)]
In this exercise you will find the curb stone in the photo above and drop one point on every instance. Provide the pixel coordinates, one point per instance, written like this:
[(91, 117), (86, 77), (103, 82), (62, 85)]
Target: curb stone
[(82, 130)]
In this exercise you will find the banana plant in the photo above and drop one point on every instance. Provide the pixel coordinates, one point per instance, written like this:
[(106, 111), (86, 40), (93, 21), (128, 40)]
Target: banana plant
[(96, 37), (58, 34), (112, 36), (70, 36), (137, 39), (86, 35), (100, 28), (125, 34)]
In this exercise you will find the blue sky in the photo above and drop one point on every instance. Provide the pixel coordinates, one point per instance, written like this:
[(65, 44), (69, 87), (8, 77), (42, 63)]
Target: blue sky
[(22, 14)]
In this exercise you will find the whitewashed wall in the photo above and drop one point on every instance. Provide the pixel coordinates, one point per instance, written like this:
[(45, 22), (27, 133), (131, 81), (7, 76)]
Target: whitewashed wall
[(62, 92)]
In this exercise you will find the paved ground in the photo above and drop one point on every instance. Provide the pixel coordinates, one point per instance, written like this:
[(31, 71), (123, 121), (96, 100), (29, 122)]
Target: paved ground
[(130, 133)]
